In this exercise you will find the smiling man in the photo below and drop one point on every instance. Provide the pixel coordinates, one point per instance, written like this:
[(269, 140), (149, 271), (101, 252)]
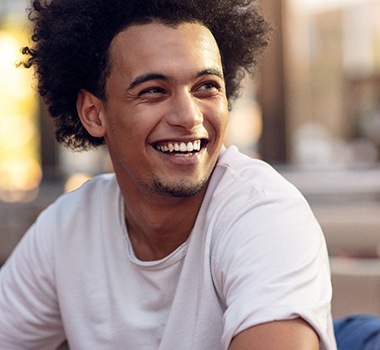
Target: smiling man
[(188, 245)]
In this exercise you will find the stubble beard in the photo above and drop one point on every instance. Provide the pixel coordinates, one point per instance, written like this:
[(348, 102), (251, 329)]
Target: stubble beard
[(182, 189)]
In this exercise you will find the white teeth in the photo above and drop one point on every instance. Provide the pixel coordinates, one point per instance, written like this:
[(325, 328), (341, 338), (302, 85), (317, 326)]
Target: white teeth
[(180, 147)]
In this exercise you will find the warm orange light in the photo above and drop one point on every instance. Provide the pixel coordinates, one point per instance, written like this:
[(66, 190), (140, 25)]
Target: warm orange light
[(20, 170), (75, 181)]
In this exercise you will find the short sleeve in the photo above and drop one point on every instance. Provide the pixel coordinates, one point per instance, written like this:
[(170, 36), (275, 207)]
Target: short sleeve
[(271, 264), (29, 311)]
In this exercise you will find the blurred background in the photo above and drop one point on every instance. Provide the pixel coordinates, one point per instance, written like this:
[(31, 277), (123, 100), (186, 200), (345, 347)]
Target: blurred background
[(312, 111)]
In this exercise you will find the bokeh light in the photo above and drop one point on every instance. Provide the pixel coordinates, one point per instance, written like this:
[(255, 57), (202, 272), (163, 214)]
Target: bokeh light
[(20, 169)]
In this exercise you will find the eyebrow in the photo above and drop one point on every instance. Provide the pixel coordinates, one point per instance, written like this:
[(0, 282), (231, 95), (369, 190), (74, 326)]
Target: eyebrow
[(211, 71), (157, 76)]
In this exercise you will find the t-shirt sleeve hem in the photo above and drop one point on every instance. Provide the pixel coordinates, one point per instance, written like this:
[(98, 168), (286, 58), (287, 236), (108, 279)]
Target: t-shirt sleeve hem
[(323, 328)]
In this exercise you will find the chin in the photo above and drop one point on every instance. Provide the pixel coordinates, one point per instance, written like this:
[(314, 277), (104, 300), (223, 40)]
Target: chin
[(182, 189)]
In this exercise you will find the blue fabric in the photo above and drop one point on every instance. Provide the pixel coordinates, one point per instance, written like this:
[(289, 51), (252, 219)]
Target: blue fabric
[(358, 332)]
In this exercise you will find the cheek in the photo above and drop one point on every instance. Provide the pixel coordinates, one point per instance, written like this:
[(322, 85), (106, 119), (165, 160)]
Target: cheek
[(121, 125), (221, 118), (119, 136)]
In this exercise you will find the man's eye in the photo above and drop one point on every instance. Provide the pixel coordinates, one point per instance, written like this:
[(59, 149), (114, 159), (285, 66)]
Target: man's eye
[(208, 86), (208, 89), (153, 90)]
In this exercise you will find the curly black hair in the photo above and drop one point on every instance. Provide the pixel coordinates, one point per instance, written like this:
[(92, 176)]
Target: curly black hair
[(71, 40)]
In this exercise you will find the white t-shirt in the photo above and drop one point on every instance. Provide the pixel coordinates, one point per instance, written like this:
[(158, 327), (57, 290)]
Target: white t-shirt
[(256, 254)]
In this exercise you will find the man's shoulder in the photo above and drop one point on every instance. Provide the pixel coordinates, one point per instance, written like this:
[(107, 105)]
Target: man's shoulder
[(96, 193), (239, 172), (104, 185)]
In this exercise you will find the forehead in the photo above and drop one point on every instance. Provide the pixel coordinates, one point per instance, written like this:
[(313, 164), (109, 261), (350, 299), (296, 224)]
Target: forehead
[(156, 46)]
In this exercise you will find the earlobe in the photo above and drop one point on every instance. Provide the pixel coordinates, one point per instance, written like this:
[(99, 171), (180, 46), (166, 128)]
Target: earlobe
[(89, 109)]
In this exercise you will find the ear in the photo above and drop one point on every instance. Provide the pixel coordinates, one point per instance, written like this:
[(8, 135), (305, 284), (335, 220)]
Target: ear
[(90, 111)]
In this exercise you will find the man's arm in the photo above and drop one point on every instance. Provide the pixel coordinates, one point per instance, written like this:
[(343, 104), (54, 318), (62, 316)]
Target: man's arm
[(29, 311), (278, 335)]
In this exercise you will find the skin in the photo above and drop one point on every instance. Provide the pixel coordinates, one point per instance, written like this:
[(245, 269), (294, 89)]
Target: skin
[(279, 335), (166, 87)]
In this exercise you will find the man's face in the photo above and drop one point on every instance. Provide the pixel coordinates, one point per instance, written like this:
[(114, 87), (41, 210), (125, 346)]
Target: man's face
[(166, 109)]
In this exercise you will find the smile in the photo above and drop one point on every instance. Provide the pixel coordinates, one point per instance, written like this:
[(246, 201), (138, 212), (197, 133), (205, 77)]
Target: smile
[(180, 148)]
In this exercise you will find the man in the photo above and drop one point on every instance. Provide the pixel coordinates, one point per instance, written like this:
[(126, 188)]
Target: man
[(188, 245)]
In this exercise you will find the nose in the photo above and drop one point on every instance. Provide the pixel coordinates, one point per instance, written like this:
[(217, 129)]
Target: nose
[(185, 111)]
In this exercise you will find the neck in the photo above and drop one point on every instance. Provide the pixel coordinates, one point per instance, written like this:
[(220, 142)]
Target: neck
[(158, 227)]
